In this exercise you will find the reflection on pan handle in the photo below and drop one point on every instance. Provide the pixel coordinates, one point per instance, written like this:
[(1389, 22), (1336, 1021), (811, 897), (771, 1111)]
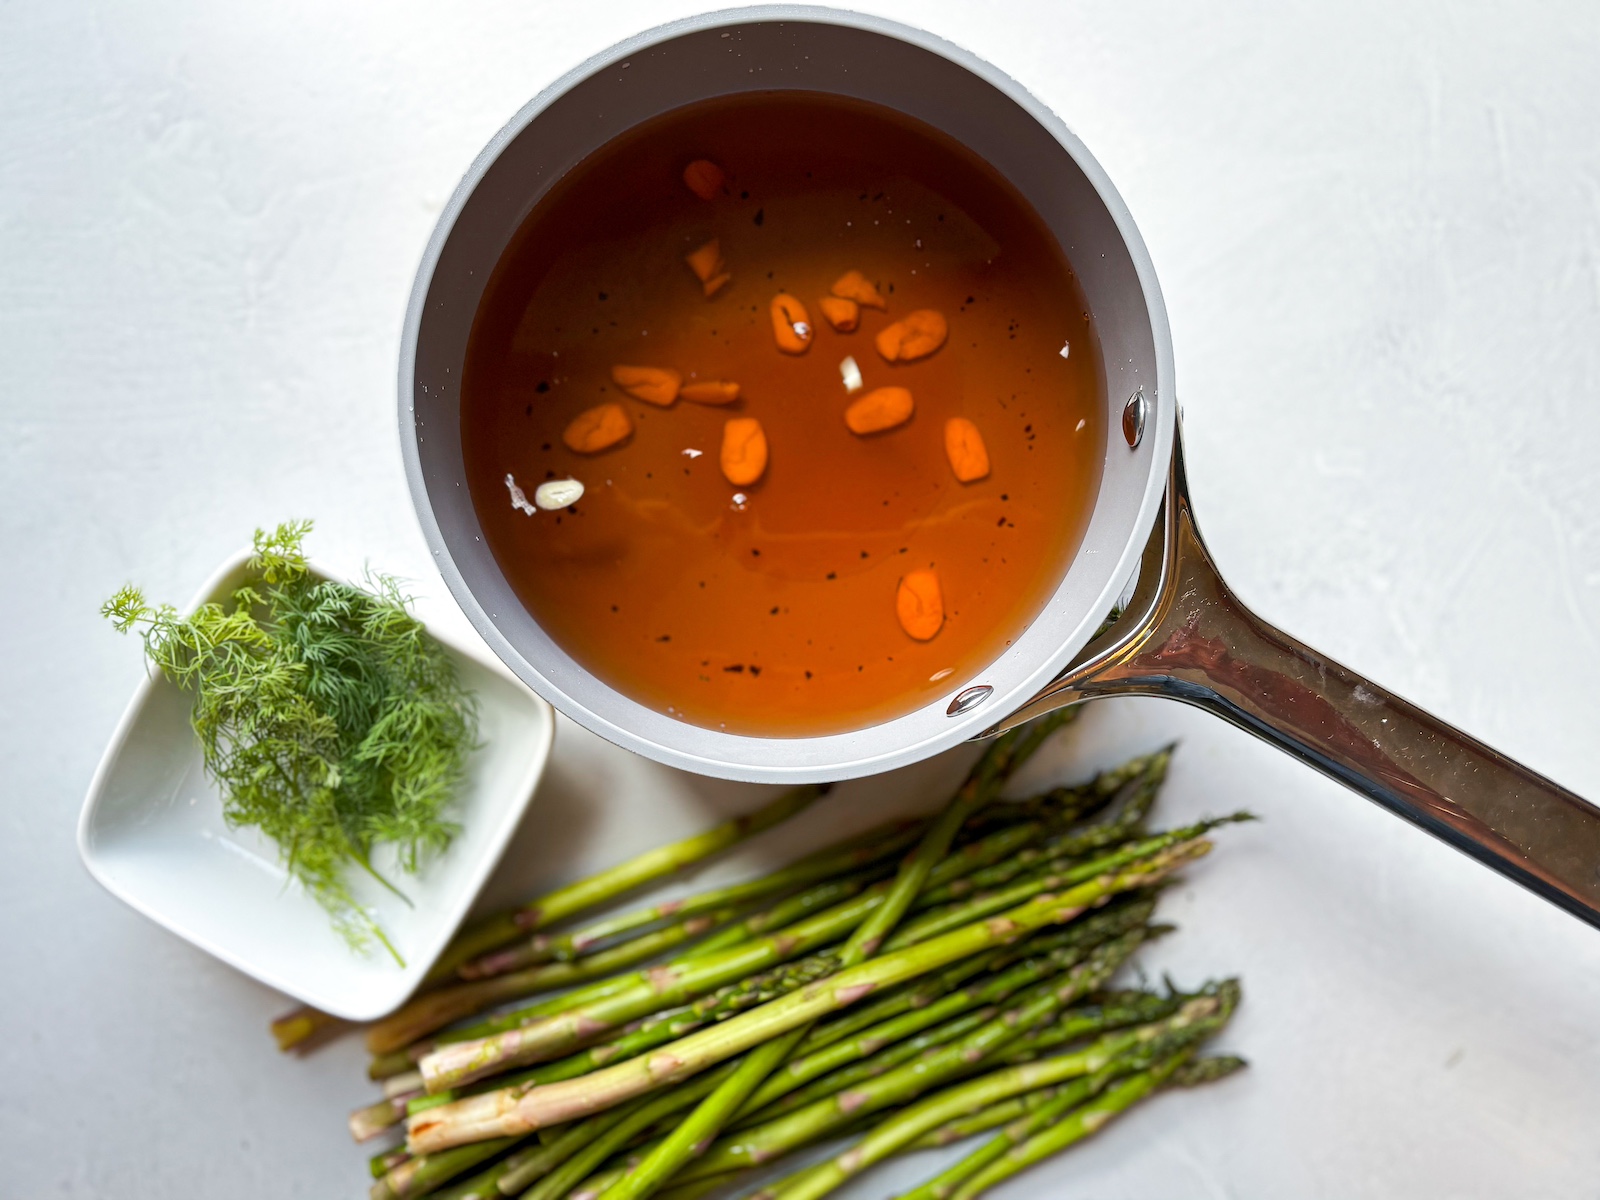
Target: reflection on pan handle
[(1184, 635)]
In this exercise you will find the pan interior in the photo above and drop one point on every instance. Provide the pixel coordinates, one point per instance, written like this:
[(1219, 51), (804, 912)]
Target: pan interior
[(769, 606), (851, 57)]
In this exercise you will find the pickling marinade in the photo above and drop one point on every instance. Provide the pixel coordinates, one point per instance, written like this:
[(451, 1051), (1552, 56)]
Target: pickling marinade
[(832, 397)]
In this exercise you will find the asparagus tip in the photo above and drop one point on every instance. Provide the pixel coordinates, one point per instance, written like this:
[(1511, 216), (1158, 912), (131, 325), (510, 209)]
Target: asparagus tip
[(1207, 1070)]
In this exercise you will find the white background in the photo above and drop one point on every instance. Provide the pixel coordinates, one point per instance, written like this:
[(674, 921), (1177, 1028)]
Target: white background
[(1378, 229)]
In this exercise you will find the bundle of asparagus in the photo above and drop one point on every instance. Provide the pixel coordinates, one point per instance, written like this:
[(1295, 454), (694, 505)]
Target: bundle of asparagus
[(923, 983)]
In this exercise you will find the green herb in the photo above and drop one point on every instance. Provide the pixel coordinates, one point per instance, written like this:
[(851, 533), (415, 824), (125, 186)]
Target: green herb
[(329, 718)]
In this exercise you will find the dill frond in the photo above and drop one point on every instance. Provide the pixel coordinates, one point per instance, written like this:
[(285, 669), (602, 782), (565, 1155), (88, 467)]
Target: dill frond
[(327, 717)]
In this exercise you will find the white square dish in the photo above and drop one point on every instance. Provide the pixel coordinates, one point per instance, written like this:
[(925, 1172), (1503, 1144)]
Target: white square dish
[(152, 833)]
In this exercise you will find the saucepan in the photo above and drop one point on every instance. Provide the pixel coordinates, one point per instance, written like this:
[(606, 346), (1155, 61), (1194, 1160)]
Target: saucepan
[(1181, 633)]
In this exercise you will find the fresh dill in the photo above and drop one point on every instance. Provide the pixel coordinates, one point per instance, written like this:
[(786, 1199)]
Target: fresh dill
[(328, 717)]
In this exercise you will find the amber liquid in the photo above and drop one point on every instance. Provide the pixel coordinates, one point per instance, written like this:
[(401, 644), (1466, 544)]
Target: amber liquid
[(775, 615)]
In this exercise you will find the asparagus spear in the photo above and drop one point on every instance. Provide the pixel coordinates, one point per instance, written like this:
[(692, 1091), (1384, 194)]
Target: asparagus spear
[(539, 1033), (1024, 1116), (835, 922), (929, 1070), (485, 1185), (437, 1008), (824, 1117), (1078, 1022), (305, 1027), (1133, 1008), (496, 1113), (545, 1037), (1091, 1117), (669, 1026), (641, 1114), (1061, 874), (841, 859), (424, 1173), (616, 881), (785, 913), (370, 1120), (384, 1067), (870, 1067), (1075, 802), (982, 786), (1006, 1113), (1089, 932), (1198, 1019), (537, 1161), (908, 997), (384, 1161), (1131, 803)]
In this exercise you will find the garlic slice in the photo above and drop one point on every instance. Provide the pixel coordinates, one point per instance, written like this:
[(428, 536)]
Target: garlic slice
[(558, 493), (851, 374)]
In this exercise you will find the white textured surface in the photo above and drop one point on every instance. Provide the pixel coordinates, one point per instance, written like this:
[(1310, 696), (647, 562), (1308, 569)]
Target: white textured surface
[(1378, 227)]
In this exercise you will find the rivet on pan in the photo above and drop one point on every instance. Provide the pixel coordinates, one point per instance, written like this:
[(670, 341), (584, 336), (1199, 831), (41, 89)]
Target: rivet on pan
[(1133, 414), (969, 698)]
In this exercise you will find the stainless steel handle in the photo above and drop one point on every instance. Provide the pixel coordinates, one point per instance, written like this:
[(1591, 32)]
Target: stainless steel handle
[(1184, 635)]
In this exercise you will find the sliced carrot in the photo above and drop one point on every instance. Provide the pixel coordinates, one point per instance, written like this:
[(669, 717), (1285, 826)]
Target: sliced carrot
[(653, 385), (598, 428), (880, 409), (710, 391), (963, 446), (844, 315), (919, 606), (791, 327), (744, 451), (853, 285), (919, 335), (704, 178)]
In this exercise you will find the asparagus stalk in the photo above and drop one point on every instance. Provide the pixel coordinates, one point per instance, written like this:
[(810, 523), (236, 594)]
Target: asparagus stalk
[(485, 1185), (526, 1166), (1198, 1019), (370, 1120), (384, 1067), (424, 1173), (497, 1114), (538, 1033), (1006, 1113), (1023, 1116), (784, 913), (982, 785), (1089, 932), (305, 1027), (384, 1161), (586, 894), (1075, 1023), (870, 1067), (435, 1009), (641, 1114), (1059, 875), (927, 1071), (909, 997), (1091, 1118), (1081, 1021), (842, 859), (842, 919), (1131, 804), (1075, 802), (904, 1083), (1133, 1008), (648, 991), (660, 1028)]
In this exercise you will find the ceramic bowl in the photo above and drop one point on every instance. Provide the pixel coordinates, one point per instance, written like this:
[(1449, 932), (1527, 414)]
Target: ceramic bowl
[(152, 834)]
